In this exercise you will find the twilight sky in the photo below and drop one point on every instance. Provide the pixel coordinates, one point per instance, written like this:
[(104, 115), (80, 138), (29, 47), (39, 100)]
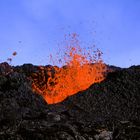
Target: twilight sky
[(36, 28)]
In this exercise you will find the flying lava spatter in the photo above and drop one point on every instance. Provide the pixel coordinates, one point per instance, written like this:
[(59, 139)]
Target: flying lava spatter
[(81, 70)]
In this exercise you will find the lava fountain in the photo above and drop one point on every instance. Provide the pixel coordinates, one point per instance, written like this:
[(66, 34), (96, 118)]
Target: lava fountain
[(81, 70)]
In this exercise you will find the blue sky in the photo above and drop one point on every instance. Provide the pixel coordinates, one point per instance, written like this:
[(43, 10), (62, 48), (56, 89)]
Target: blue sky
[(36, 28)]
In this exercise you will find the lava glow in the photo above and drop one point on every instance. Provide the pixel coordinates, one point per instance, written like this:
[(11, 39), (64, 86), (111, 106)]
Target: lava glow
[(81, 71)]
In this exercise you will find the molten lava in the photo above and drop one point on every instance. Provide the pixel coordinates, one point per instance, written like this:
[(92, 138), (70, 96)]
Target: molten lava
[(14, 53), (81, 71)]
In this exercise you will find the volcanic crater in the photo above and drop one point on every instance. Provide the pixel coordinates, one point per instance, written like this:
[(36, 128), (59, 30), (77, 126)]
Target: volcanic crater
[(108, 110)]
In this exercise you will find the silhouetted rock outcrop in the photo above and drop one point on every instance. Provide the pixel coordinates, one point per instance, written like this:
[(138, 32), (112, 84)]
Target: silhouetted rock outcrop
[(105, 111)]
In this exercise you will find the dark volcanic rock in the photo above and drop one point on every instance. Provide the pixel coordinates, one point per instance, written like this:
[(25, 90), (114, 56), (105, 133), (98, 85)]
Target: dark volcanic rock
[(5, 68), (105, 111)]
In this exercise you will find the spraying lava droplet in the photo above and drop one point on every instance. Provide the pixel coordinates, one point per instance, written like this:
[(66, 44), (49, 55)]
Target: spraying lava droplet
[(14, 53), (81, 71)]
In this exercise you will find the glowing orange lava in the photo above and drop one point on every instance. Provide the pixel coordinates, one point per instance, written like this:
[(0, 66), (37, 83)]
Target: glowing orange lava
[(81, 71)]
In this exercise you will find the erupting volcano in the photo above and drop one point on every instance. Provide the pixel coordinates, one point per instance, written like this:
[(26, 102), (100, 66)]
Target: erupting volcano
[(82, 69)]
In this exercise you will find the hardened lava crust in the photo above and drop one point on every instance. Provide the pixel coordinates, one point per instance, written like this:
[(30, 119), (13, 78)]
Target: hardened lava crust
[(109, 110)]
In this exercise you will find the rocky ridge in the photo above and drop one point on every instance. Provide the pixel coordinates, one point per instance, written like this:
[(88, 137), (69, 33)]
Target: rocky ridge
[(109, 110)]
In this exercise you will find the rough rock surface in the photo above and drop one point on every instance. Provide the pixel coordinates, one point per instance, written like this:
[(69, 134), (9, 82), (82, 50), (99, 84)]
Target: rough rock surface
[(109, 110)]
